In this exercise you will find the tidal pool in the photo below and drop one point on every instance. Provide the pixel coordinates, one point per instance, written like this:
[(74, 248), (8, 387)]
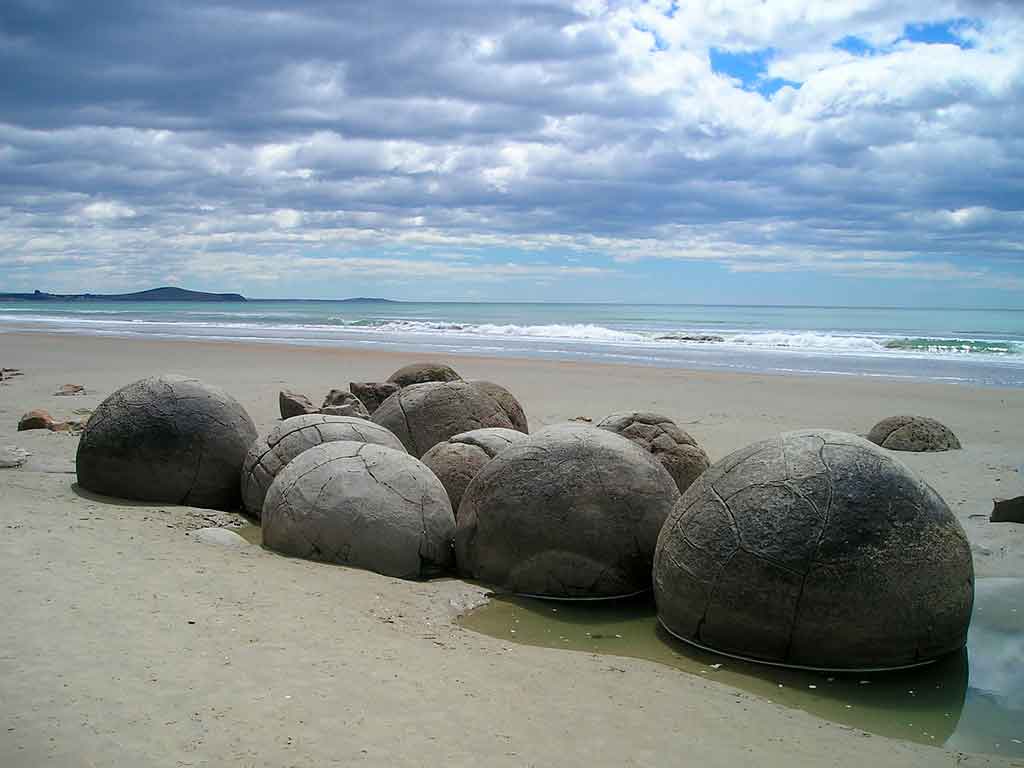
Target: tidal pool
[(972, 701)]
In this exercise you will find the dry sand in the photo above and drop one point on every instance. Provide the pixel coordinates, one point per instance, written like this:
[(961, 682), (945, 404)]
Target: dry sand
[(123, 641)]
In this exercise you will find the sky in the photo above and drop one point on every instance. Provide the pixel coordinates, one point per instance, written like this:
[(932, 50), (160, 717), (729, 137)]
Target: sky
[(856, 152)]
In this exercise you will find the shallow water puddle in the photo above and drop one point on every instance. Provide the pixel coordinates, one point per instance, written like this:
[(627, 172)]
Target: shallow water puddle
[(972, 701)]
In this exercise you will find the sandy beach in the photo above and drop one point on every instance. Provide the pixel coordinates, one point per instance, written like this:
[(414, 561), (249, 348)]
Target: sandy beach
[(126, 642)]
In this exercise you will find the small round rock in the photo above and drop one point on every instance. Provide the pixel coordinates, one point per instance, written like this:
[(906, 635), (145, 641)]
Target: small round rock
[(268, 456), (420, 373), (168, 439), (570, 512), (913, 433), (458, 460), (662, 438), (815, 549), (423, 415), (362, 505)]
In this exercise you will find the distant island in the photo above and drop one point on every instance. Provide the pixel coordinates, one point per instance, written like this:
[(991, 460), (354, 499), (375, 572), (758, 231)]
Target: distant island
[(154, 294)]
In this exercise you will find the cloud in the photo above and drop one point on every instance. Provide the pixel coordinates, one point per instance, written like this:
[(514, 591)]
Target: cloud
[(349, 139)]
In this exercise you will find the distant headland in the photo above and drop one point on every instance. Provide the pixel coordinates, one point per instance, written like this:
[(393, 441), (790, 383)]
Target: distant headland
[(154, 294)]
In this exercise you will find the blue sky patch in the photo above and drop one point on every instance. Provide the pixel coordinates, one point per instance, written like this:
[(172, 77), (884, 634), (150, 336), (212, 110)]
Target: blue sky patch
[(749, 67), (940, 32)]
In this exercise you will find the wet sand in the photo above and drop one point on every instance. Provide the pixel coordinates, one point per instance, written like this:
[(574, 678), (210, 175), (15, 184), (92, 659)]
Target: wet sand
[(125, 642)]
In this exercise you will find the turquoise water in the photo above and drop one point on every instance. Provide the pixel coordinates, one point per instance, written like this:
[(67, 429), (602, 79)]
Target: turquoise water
[(977, 346)]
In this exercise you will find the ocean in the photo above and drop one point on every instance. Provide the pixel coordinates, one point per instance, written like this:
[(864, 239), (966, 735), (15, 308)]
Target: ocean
[(970, 346)]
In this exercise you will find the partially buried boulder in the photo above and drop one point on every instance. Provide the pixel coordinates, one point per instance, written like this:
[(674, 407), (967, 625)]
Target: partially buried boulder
[(913, 433), (662, 438), (815, 549), (373, 393), (458, 460), (341, 403), (507, 401), (166, 439), (569, 512), (420, 373), (362, 505), (423, 415), (35, 419), (293, 404), (268, 456)]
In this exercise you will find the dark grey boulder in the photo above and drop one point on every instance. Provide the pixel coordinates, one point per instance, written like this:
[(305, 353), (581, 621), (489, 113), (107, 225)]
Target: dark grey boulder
[(508, 402), (293, 404), (815, 549), (167, 439), (423, 415), (373, 393), (457, 460), (569, 512), (913, 433), (268, 456), (662, 438), (1008, 510), (363, 505), (420, 373), (341, 403)]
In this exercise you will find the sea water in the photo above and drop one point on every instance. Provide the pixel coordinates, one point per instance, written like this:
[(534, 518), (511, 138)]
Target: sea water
[(972, 346)]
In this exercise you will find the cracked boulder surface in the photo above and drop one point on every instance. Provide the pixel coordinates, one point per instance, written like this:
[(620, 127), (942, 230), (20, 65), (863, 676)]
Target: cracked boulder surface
[(913, 433), (674, 448), (362, 505), (458, 460), (268, 456), (167, 439), (569, 512), (508, 402), (423, 415), (420, 373), (815, 549)]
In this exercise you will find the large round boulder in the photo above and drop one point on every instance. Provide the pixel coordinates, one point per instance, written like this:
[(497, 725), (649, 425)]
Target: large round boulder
[(268, 456), (363, 505), (662, 438), (507, 401), (423, 415), (815, 549), (167, 439), (458, 459), (570, 512), (913, 433), (420, 373)]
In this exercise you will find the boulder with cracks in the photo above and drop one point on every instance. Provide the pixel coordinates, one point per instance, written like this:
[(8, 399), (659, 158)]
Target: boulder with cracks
[(569, 512), (507, 401), (458, 460), (815, 549), (268, 456), (662, 438), (362, 505), (913, 433), (420, 373), (167, 439)]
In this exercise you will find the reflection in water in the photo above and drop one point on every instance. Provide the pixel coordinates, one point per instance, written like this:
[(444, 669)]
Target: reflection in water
[(975, 707)]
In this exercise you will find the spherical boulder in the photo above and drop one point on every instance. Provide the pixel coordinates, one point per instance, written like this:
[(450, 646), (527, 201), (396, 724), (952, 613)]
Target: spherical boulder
[(457, 460), (420, 373), (662, 438), (815, 549), (570, 512), (166, 439), (363, 505), (913, 433), (268, 456), (423, 415), (507, 401)]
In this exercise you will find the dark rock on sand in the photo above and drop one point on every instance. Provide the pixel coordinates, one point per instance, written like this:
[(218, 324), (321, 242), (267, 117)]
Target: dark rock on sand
[(423, 415), (35, 419), (70, 390), (458, 460), (569, 512), (913, 433), (167, 439), (373, 393), (362, 505), (508, 402), (1008, 510), (341, 403), (293, 404), (815, 549), (674, 448), (268, 456), (419, 373)]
